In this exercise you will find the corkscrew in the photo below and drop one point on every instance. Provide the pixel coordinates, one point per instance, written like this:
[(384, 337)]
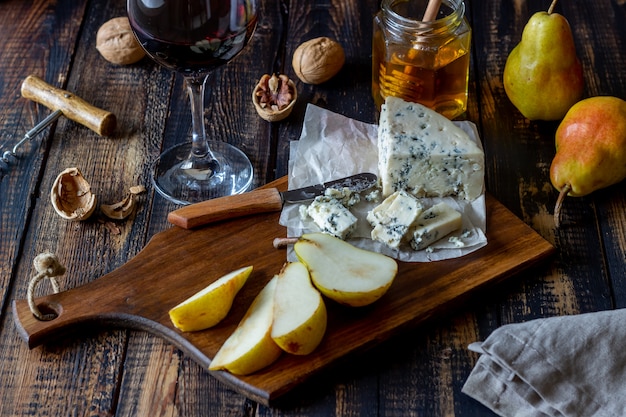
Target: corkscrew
[(63, 103)]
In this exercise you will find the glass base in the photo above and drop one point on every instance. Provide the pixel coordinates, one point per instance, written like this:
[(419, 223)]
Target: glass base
[(180, 181)]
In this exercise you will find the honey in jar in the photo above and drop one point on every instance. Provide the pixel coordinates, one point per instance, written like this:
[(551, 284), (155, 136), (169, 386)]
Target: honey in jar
[(422, 61)]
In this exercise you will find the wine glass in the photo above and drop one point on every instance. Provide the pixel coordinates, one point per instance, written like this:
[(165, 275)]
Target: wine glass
[(193, 37)]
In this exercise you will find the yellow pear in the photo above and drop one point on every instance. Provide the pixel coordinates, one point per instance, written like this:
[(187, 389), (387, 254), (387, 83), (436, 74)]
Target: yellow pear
[(209, 306), (590, 148), (543, 76), (250, 347), (343, 272), (299, 311)]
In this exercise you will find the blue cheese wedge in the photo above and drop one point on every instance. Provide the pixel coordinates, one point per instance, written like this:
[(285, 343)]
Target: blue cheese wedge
[(422, 152), (332, 217), (392, 218), (433, 224)]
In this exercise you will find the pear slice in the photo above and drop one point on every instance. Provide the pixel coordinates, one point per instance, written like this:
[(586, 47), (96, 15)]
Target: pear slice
[(250, 347), (209, 306), (299, 311), (343, 272)]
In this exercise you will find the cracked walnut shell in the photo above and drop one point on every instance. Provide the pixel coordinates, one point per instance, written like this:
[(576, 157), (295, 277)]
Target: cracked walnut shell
[(318, 60), (125, 207), (274, 97), (71, 195), (117, 44)]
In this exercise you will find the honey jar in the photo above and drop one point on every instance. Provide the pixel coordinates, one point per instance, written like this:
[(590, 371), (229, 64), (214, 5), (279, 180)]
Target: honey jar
[(418, 60)]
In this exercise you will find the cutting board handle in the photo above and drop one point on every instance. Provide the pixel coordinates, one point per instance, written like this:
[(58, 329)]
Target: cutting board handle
[(131, 296), (72, 308), (109, 300)]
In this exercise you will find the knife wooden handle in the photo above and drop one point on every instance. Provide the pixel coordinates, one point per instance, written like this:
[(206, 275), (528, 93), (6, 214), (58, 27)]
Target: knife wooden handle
[(262, 200), (73, 107)]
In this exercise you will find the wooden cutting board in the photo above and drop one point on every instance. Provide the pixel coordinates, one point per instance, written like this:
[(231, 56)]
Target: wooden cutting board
[(177, 263)]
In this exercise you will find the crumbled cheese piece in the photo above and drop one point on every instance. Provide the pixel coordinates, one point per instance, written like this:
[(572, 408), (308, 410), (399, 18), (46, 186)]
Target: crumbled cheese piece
[(457, 241), (374, 196), (332, 217), (303, 211), (392, 218), (433, 224), (424, 153), (345, 195)]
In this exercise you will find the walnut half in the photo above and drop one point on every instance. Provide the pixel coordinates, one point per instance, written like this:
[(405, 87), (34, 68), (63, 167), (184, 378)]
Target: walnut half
[(274, 97)]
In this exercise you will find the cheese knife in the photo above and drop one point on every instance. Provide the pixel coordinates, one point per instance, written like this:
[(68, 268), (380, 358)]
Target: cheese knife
[(262, 200)]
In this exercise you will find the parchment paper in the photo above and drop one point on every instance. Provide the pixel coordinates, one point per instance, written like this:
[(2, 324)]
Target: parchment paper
[(333, 146)]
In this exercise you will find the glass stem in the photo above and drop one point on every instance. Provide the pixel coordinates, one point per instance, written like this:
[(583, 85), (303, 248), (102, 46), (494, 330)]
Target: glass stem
[(201, 156)]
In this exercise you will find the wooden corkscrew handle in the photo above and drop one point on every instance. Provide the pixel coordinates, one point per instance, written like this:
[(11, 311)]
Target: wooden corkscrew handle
[(73, 107)]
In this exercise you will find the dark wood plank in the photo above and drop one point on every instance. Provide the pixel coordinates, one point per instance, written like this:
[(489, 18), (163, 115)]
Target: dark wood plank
[(520, 153), (39, 38), (32, 25)]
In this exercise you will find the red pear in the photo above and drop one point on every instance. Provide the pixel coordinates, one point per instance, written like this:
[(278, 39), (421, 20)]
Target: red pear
[(590, 148)]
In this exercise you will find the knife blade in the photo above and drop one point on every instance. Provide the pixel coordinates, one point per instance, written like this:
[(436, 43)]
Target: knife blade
[(262, 200)]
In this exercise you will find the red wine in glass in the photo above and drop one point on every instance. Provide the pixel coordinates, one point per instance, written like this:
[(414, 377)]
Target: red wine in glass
[(212, 42), (193, 37)]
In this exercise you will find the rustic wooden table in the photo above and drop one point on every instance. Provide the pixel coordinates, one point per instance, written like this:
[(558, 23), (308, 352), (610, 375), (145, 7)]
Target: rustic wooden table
[(419, 372)]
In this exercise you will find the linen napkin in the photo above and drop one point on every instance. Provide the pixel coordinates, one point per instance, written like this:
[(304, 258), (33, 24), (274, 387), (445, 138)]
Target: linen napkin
[(560, 366)]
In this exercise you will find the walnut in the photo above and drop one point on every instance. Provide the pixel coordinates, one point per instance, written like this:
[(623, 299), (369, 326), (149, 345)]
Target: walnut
[(117, 44), (274, 97), (318, 60), (71, 195)]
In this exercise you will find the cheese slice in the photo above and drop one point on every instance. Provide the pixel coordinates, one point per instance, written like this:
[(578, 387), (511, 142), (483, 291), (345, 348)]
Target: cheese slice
[(424, 153), (433, 224), (392, 218)]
